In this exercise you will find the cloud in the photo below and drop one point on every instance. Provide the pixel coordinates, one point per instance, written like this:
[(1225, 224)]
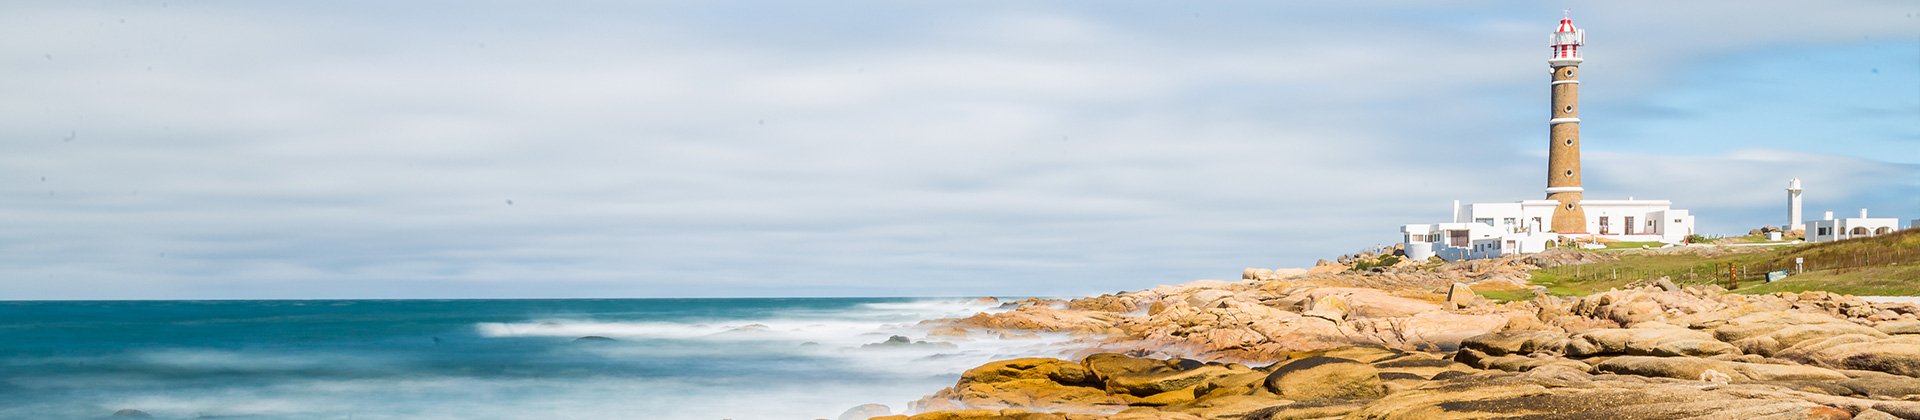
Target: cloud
[(741, 148)]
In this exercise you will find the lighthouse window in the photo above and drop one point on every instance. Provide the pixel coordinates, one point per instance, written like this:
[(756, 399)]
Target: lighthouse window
[(1569, 207), (1569, 141), (1569, 72), (1569, 173), (1569, 108)]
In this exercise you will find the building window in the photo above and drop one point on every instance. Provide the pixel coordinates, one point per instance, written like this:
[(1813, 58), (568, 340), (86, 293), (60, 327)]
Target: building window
[(1487, 220), (1508, 221), (1824, 231)]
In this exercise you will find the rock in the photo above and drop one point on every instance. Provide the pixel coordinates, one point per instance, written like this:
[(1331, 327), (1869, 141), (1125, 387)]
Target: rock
[(128, 412), (1460, 295), (899, 341), (1765, 333), (1524, 396), (1105, 366), (1647, 342), (1323, 377), (1899, 327), (594, 339), (1150, 383), (1666, 284), (1055, 370), (1872, 414), (1261, 274), (865, 411), (1899, 355), (1516, 363), (1517, 342), (1691, 368), (1230, 407), (1037, 394), (1329, 307), (1319, 409)]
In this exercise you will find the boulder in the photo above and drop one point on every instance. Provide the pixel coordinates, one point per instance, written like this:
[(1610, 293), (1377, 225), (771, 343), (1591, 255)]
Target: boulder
[(1322, 377), (1517, 342), (1899, 327), (1056, 370), (1230, 407), (1691, 368), (1461, 295), (1899, 355), (1318, 409), (1666, 284), (1526, 396), (1038, 394), (1105, 366), (1261, 274), (1155, 382), (866, 411), (1329, 307), (1647, 342)]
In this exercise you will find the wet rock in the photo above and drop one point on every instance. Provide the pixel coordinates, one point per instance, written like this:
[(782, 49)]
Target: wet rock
[(900, 341), (865, 411)]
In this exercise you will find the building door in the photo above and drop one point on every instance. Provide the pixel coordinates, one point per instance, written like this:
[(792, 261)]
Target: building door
[(1628, 224), (1605, 229)]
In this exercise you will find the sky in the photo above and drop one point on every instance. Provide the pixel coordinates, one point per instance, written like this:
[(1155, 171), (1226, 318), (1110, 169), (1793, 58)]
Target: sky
[(717, 148)]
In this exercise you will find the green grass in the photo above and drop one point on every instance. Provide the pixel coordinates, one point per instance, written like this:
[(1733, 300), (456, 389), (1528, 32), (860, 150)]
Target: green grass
[(1634, 245), (1884, 265), (1506, 295), (1878, 281), (1754, 239), (1684, 269)]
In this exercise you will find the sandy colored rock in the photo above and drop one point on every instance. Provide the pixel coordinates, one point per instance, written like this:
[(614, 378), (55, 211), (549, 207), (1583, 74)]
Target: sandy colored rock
[(1517, 342), (1321, 377), (1461, 295), (1149, 383), (1647, 342), (1692, 368)]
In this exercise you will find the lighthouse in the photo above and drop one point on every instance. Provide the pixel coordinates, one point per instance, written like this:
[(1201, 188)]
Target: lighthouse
[(1563, 132), (1793, 206)]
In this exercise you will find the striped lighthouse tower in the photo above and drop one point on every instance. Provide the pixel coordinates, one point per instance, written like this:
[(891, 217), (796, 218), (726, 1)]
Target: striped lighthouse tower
[(1563, 154)]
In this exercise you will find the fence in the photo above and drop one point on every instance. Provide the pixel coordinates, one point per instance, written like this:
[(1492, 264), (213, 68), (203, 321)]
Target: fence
[(1745, 273)]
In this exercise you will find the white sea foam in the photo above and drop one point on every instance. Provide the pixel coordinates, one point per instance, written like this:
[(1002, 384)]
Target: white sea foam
[(742, 369)]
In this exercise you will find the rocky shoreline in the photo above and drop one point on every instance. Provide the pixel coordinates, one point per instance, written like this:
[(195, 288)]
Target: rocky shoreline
[(1413, 341)]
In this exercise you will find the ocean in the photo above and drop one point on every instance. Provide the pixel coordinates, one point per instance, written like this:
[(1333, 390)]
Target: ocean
[(373, 359)]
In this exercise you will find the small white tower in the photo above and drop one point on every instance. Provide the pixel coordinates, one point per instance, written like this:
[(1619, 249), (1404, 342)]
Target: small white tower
[(1794, 222)]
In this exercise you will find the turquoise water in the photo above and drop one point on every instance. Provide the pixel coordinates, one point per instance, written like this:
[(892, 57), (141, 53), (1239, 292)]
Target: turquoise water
[(670, 358)]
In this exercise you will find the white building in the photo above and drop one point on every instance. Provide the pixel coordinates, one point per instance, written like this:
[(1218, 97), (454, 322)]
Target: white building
[(1853, 227), (1486, 230)]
